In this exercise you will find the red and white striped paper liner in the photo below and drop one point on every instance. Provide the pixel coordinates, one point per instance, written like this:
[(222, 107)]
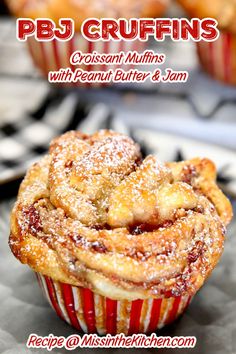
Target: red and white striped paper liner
[(219, 58), (53, 55), (92, 313)]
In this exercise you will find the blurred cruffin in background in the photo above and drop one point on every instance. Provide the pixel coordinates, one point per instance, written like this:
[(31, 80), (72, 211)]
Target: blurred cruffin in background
[(224, 11), (218, 58), (79, 10)]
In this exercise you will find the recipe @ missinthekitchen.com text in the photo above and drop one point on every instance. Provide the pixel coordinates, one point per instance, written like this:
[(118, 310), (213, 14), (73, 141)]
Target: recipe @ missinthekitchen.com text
[(119, 71), (118, 341)]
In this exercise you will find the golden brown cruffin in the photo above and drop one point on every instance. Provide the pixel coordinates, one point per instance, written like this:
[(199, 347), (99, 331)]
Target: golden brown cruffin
[(224, 11), (80, 10), (93, 213)]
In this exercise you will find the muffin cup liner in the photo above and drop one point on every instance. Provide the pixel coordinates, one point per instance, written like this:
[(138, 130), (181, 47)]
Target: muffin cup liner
[(92, 313), (54, 55), (219, 58)]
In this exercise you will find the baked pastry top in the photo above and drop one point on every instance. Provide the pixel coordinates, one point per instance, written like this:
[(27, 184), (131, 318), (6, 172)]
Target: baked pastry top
[(80, 10), (93, 213), (224, 11)]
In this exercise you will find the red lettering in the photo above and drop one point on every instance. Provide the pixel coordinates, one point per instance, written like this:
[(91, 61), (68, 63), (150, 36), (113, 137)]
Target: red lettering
[(53, 343), (210, 31), (94, 29), (131, 32), (176, 33), (45, 29), (110, 29), (45, 341), (191, 29), (60, 341), (38, 342), (24, 28), (32, 339), (163, 27), (68, 26), (146, 27), (90, 29)]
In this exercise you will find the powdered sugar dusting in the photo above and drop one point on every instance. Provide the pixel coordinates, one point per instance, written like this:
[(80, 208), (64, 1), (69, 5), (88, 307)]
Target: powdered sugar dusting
[(101, 210)]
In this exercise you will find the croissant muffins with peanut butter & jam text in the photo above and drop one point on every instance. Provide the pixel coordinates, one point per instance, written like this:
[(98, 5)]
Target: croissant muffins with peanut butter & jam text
[(119, 243)]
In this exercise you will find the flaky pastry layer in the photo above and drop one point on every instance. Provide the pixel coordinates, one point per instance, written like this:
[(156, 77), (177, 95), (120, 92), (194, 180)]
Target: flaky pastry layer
[(93, 213)]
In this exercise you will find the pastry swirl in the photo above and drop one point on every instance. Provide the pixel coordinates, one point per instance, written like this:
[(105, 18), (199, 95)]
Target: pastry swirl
[(93, 213)]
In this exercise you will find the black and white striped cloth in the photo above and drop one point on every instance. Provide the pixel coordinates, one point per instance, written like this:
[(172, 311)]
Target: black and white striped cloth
[(23, 140)]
